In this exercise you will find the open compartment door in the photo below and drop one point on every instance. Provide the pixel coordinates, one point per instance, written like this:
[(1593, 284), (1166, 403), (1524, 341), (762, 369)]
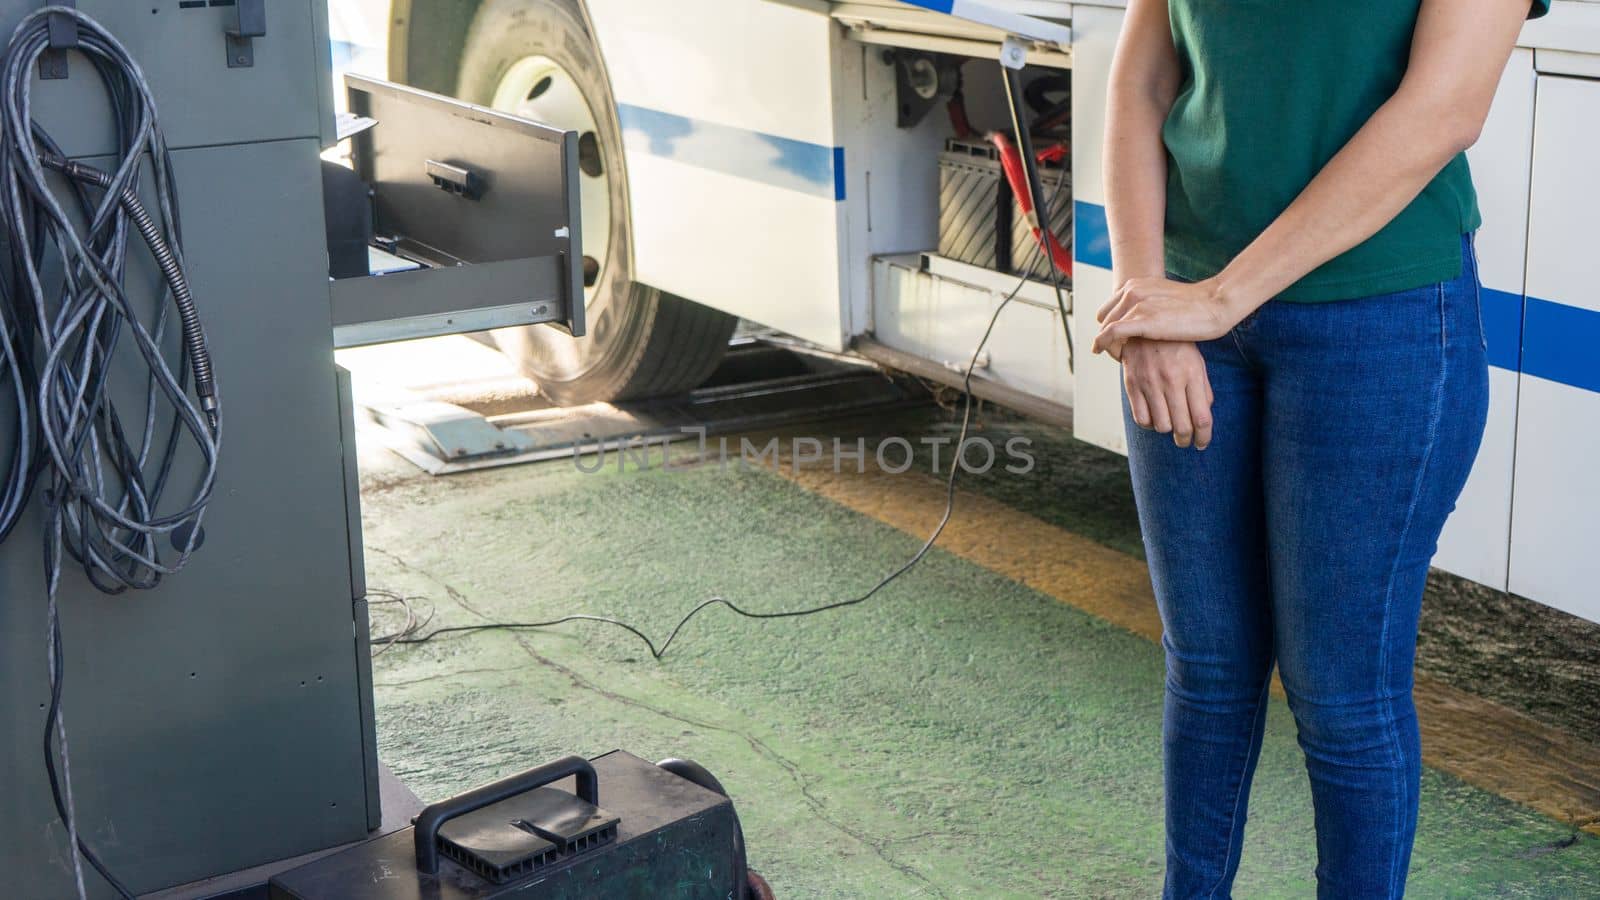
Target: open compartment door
[(969, 27), (456, 218)]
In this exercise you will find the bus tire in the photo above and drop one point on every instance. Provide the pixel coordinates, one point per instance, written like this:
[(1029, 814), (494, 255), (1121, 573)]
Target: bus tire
[(641, 342)]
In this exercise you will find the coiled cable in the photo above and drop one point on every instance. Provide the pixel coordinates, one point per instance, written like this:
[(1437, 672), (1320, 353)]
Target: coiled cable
[(103, 455)]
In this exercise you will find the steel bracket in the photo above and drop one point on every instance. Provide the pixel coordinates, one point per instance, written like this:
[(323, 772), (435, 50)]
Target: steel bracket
[(1013, 53), (250, 22)]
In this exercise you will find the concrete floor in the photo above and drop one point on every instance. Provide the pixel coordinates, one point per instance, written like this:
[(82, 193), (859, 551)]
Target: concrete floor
[(961, 735)]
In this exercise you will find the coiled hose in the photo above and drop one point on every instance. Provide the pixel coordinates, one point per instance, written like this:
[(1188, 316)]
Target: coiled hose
[(194, 338)]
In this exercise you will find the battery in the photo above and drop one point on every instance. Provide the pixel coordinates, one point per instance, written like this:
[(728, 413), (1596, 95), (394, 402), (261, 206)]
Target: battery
[(976, 207)]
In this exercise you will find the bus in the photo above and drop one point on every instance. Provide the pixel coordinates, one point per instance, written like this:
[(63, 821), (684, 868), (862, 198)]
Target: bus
[(820, 168)]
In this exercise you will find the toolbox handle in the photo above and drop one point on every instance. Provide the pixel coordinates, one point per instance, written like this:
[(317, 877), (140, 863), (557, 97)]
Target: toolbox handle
[(427, 822)]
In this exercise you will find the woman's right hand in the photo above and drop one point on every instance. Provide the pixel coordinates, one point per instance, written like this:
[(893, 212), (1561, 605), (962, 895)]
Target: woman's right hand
[(1168, 389)]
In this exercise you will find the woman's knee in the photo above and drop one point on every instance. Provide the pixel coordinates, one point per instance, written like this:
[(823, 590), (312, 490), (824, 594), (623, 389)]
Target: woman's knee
[(1367, 730), (1220, 680)]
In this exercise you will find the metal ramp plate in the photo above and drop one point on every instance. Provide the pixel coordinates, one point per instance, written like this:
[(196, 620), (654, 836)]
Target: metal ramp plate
[(484, 419)]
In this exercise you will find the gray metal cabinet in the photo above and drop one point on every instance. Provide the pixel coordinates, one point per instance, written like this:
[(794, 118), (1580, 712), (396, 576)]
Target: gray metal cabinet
[(214, 722), (217, 721)]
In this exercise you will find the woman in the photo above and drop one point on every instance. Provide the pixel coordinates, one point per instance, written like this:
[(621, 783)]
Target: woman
[(1296, 305)]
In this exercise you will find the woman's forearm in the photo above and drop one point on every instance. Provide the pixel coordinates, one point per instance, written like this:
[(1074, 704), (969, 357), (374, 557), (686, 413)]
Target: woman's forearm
[(1165, 382), (1136, 193), (1144, 81), (1436, 113), (1136, 188)]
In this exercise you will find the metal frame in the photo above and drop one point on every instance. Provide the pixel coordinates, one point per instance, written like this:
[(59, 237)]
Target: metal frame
[(473, 280), (404, 305)]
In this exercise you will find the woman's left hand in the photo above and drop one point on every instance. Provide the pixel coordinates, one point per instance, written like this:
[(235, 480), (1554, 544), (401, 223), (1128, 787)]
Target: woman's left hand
[(1163, 310)]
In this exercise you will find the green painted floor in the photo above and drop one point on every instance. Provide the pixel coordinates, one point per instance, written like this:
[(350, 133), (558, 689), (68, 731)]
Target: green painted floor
[(959, 736), (1523, 655)]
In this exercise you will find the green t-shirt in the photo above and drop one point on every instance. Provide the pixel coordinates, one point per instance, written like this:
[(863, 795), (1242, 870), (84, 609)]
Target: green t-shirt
[(1271, 91)]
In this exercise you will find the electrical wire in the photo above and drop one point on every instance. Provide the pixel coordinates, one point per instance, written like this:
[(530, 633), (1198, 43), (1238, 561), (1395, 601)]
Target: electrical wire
[(105, 458), (885, 581), (1015, 93), (16, 371), (413, 624)]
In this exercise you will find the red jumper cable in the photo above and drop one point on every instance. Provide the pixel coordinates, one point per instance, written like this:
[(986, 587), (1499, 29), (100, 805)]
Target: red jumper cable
[(1017, 177)]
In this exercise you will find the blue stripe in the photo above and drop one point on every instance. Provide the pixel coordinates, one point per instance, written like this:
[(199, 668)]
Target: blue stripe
[(1091, 242), (1559, 343), (1542, 338), (345, 53), (943, 6), (779, 161)]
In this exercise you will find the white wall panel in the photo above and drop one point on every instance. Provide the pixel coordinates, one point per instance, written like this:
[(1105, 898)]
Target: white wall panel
[(1555, 523)]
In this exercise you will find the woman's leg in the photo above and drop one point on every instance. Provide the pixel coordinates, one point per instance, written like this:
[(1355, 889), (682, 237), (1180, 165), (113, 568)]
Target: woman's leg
[(1202, 517), (1373, 413)]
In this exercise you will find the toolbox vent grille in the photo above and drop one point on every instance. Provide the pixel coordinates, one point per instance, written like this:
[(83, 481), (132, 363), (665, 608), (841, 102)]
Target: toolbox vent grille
[(502, 873)]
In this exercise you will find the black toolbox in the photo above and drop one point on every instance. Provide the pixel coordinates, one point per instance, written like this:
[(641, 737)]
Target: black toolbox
[(613, 827)]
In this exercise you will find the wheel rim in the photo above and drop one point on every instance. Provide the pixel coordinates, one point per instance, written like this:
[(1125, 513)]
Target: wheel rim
[(539, 88)]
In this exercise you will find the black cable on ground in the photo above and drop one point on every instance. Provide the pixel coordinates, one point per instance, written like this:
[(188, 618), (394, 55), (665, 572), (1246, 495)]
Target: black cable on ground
[(944, 519), (413, 624), (659, 652), (65, 321)]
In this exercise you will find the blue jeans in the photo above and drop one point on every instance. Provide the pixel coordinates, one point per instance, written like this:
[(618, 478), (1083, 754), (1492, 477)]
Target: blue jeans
[(1343, 435)]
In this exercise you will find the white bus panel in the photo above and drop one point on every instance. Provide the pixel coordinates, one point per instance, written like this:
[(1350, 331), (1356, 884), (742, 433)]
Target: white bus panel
[(736, 179), (1555, 517)]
